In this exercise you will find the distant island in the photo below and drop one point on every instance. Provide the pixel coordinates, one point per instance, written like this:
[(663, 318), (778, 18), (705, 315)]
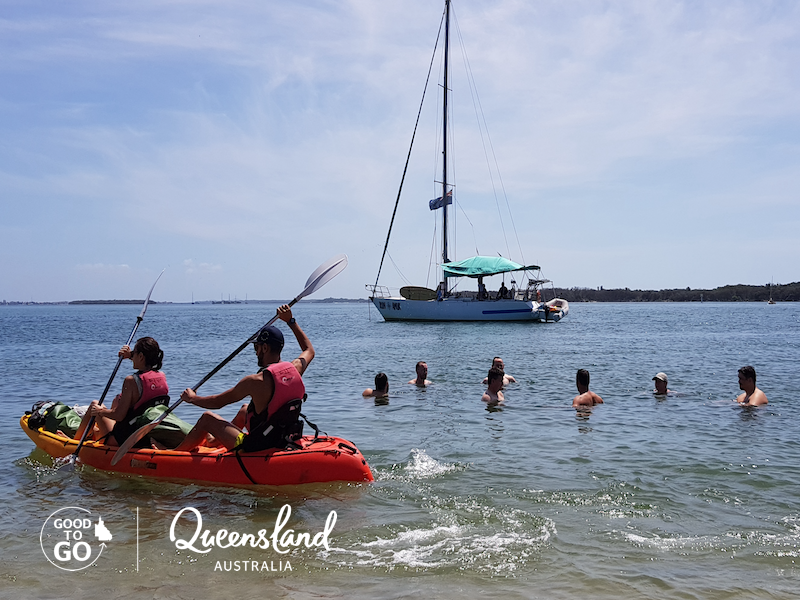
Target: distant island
[(789, 292)]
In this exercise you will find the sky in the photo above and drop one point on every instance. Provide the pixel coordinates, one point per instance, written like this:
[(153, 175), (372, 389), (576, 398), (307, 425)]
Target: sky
[(240, 145)]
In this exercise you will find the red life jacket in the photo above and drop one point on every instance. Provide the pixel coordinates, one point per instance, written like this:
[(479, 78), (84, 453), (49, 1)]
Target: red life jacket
[(288, 386), (152, 387), (153, 390)]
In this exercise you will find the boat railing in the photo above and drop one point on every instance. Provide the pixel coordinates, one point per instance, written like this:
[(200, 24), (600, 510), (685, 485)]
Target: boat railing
[(378, 291)]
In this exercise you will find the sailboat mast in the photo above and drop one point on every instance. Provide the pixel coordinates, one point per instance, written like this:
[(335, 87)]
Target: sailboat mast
[(444, 131)]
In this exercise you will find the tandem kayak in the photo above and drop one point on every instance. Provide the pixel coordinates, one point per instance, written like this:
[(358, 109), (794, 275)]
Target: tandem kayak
[(318, 460)]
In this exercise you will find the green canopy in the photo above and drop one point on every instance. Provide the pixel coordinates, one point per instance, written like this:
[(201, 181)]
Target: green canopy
[(482, 266)]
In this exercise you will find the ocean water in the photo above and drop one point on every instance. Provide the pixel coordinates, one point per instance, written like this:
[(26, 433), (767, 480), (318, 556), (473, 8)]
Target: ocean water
[(688, 496)]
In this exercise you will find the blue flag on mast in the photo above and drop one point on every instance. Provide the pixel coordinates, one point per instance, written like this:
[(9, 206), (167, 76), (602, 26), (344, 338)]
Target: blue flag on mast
[(439, 203)]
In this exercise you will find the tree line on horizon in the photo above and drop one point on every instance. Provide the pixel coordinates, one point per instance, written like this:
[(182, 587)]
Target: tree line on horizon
[(789, 292)]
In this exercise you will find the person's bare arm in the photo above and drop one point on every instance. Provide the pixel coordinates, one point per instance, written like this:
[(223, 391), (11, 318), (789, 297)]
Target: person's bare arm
[(240, 391), (306, 349), (118, 410)]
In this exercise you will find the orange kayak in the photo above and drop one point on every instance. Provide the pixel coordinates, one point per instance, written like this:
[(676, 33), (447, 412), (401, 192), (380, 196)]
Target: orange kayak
[(319, 460)]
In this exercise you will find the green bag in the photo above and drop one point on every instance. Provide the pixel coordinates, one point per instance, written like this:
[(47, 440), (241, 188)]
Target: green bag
[(170, 432), (54, 416)]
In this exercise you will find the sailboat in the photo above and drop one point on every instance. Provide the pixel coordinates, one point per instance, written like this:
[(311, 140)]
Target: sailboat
[(447, 303)]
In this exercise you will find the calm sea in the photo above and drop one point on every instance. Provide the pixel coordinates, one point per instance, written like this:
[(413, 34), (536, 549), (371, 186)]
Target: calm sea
[(688, 496)]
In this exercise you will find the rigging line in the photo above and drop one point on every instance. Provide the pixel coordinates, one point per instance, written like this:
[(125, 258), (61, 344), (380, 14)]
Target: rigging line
[(403, 277), (475, 239), (479, 114), (433, 253), (408, 158)]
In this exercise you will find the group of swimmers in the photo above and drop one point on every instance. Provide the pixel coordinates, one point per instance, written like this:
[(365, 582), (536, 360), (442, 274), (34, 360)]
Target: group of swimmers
[(497, 379), (277, 386)]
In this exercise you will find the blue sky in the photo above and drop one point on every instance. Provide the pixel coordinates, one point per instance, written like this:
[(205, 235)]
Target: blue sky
[(241, 144)]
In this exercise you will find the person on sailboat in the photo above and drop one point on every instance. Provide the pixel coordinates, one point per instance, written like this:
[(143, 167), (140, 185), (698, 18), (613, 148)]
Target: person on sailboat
[(493, 393), (422, 373), (482, 293), (381, 387), (752, 396), (276, 384), (497, 362), (502, 293), (585, 397)]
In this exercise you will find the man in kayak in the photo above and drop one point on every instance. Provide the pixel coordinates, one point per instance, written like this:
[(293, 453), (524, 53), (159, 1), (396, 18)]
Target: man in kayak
[(752, 396), (275, 384), (498, 362), (422, 373), (585, 397)]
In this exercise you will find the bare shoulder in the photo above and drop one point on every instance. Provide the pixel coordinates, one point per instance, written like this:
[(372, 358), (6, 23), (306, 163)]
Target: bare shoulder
[(758, 398), (596, 399)]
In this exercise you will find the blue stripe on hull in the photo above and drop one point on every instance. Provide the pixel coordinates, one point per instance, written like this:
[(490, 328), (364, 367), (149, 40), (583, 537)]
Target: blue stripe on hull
[(504, 312)]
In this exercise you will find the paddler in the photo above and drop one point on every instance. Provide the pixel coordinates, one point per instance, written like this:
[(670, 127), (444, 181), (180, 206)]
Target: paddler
[(275, 384), (147, 387)]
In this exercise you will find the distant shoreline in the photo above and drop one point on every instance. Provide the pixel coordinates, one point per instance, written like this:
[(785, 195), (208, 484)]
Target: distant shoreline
[(789, 292)]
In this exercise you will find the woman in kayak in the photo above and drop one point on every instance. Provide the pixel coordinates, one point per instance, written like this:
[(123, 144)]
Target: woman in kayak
[(145, 388)]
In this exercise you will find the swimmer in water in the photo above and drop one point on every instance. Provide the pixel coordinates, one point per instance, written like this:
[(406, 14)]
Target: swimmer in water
[(381, 387), (422, 373), (493, 393), (752, 396), (585, 397), (498, 362), (661, 385)]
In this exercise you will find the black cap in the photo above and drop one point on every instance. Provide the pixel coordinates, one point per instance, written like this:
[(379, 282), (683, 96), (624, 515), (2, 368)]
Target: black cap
[(271, 336)]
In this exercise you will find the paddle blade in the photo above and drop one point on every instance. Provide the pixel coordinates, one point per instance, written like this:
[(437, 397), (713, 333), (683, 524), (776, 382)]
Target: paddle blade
[(133, 440), (324, 273)]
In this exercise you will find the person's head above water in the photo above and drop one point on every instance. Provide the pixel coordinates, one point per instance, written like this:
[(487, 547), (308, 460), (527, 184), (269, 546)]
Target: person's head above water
[(381, 382), (747, 372), (661, 383), (582, 378), (495, 378)]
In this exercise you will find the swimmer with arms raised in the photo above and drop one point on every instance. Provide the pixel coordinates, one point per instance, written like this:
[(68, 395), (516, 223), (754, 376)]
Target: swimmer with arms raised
[(585, 397), (752, 396)]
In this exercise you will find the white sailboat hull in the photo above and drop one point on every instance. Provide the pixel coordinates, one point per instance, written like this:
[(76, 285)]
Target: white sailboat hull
[(469, 309)]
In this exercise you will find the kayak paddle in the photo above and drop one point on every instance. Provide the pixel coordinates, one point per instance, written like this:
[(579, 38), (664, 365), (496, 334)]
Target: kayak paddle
[(324, 273), (90, 425)]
